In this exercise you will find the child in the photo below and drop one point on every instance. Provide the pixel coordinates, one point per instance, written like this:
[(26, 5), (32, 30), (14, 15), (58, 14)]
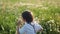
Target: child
[(29, 27)]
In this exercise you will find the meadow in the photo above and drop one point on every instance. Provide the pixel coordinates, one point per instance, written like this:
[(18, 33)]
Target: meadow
[(46, 11)]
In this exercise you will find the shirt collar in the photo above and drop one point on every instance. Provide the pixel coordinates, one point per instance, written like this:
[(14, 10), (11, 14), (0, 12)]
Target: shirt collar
[(32, 23)]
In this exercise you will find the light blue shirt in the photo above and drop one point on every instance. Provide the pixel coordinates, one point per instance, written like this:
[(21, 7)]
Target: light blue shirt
[(28, 29)]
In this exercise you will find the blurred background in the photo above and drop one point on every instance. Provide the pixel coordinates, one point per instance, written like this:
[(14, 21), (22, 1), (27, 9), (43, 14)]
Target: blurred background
[(46, 11)]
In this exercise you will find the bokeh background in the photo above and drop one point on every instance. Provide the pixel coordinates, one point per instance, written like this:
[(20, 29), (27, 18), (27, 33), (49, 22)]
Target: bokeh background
[(46, 11)]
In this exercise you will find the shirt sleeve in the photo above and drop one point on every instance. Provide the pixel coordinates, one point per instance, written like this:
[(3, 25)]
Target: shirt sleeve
[(38, 27), (22, 30)]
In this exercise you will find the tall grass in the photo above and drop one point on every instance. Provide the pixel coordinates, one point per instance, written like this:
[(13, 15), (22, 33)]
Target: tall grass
[(47, 14)]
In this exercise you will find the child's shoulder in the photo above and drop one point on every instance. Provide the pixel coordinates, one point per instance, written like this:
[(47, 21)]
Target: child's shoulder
[(35, 23), (26, 25)]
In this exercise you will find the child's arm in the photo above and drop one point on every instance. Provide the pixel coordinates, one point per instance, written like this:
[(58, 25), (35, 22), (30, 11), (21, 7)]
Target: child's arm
[(17, 30), (40, 30), (18, 27), (38, 27)]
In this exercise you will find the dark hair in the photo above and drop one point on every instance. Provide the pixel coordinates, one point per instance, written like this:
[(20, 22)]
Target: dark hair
[(27, 16)]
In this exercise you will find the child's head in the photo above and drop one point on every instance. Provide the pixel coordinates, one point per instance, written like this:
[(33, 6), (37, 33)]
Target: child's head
[(27, 16)]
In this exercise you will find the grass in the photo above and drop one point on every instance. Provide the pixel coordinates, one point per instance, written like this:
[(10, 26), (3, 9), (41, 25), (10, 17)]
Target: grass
[(48, 14)]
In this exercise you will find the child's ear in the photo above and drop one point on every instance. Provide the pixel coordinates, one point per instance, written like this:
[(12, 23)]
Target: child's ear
[(24, 20)]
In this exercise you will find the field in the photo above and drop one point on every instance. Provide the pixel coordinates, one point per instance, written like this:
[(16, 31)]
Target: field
[(46, 11)]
